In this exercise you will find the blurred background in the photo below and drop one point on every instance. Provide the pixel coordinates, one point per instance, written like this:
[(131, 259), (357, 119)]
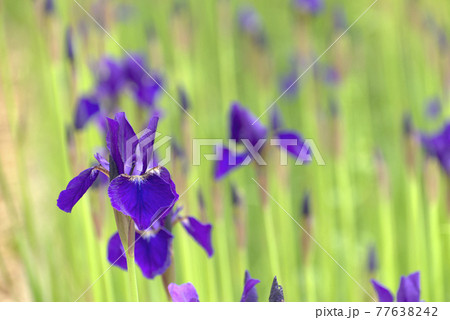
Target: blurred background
[(374, 76)]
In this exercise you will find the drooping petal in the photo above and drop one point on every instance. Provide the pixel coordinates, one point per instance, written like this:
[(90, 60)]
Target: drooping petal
[(87, 107), (244, 125), (144, 198), (112, 142), (183, 293), (229, 161), (76, 188), (152, 253), (384, 295), (200, 232), (116, 253), (294, 144), (249, 294), (409, 289)]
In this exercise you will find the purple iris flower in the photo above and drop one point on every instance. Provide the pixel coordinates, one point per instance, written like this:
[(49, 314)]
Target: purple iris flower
[(139, 188), (408, 291), (311, 6), (289, 84), (110, 78), (145, 89), (87, 107), (246, 129), (438, 146), (187, 293), (154, 245)]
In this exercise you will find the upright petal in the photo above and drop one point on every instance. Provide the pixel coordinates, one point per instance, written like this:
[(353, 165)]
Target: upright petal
[(229, 161), (126, 138), (76, 188), (152, 253), (409, 290), (384, 295), (200, 232), (144, 198), (249, 294), (116, 253), (294, 144), (244, 125), (87, 107), (112, 142), (183, 293), (146, 142)]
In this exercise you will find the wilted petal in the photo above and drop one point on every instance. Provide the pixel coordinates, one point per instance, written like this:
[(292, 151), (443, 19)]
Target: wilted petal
[(183, 293), (116, 253), (200, 232), (249, 294), (244, 125), (294, 144), (409, 289), (86, 108), (152, 253), (384, 295), (144, 198), (76, 188), (229, 161)]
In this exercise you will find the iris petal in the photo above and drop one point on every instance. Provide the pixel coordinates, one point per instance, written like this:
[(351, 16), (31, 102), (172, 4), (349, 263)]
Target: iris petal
[(152, 253), (200, 232), (116, 253), (87, 107), (245, 125), (183, 293), (229, 161), (384, 295), (249, 294), (409, 289), (76, 188), (144, 198), (112, 142), (294, 144)]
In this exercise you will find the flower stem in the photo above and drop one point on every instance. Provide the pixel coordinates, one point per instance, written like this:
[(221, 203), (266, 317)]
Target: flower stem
[(131, 265)]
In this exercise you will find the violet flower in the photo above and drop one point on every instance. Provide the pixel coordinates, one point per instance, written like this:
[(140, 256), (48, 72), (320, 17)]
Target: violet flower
[(153, 246), (110, 79), (310, 6), (246, 129), (434, 108), (49, 6), (138, 189), (408, 291), (276, 292), (187, 293), (438, 146), (87, 107)]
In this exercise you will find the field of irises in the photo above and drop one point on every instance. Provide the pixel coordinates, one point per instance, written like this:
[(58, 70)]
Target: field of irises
[(226, 150)]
